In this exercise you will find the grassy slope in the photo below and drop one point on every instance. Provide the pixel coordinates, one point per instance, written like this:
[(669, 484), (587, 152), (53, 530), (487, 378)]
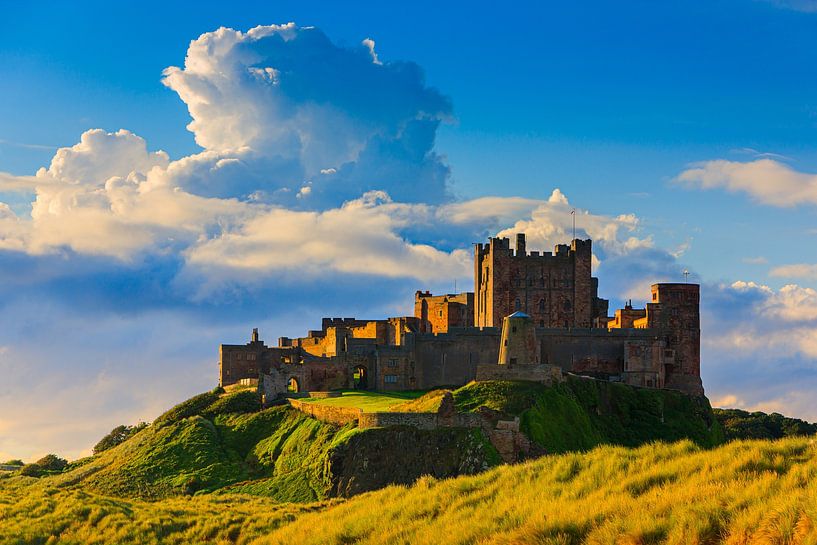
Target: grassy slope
[(370, 402), (582, 413), (277, 452), (741, 493)]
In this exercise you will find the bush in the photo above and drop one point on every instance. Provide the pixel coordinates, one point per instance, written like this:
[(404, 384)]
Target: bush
[(14, 462), (117, 436), (31, 470), (52, 462)]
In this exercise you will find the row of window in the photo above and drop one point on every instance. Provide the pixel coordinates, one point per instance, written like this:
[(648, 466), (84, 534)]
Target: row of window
[(240, 356), (566, 305)]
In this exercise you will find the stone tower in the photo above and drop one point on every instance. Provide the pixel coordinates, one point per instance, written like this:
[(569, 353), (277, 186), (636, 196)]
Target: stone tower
[(674, 310), (518, 345), (555, 289)]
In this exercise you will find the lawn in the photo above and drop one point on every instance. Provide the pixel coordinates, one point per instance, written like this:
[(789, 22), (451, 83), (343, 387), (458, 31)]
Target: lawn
[(368, 401)]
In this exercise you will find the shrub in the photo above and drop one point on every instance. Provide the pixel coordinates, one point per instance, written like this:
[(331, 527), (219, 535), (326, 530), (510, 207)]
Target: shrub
[(14, 462), (31, 470), (52, 462), (117, 436)]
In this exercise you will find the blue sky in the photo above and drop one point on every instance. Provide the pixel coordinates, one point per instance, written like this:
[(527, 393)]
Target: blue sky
[(684, 132)]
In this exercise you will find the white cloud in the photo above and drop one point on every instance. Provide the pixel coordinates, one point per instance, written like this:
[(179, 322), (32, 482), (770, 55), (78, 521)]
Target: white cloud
[(551, 223), (799, 270), (765, 180), (759, 260), (289, 102)]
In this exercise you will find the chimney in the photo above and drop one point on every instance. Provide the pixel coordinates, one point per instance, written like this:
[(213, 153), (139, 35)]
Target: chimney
[(520, 244), (255, 334)]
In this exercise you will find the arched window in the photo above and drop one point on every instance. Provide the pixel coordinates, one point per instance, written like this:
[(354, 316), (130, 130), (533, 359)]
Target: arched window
[(567, 304), (517, 304), (541, 305)]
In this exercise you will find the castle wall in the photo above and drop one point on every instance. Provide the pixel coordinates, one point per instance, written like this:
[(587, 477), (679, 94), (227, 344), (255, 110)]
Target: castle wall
[(452, 358)]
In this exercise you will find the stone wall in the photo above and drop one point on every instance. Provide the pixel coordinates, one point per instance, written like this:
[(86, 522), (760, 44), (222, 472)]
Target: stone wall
[(340, 416), (546, 374)]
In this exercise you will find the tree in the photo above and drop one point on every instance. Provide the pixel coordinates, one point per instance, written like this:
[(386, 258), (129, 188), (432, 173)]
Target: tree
[(52, 462), (117, 436)]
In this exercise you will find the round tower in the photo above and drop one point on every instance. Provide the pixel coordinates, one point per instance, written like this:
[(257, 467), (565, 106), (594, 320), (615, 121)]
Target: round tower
[(518, 345)]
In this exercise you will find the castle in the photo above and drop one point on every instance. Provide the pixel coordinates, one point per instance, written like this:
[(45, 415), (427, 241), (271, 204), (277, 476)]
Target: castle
[(530, 313)]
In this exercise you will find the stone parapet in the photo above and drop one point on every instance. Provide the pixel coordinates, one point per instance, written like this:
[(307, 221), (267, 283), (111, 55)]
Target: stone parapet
[(339, 416), (546, 374)]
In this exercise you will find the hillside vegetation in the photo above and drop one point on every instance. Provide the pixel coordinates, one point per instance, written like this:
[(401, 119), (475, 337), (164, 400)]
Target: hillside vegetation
[(583, 413), (745, 492), (217, 442), (738, 424)]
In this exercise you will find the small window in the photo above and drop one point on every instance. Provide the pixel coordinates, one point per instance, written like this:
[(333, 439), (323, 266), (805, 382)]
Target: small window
[(654, 296), (541, 305), (513, 329), (441, 313), (541, 323), (390, 379), (251, 357), (517, 305), (392, 362), (513, 361)]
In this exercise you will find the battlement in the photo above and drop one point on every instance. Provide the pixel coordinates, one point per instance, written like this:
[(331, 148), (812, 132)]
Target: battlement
[(326, 323), (501, 246)]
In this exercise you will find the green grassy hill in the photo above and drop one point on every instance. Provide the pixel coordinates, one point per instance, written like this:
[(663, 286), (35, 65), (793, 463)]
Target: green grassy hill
[(745, 492), (582, 413), (216, 442), (225, 443)]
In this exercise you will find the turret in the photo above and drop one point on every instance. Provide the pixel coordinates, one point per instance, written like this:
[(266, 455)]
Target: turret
[(518, 344)]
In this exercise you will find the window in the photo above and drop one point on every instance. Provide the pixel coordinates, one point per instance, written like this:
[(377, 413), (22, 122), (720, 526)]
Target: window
[(393, 362), (441, 313), (517, 305), (513, 361), (567, 304), (252, 357), (390, 379), (541, 323), (541, 305), (513, 329)]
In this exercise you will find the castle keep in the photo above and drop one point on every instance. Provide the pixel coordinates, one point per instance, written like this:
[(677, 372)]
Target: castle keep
[(530, 315)]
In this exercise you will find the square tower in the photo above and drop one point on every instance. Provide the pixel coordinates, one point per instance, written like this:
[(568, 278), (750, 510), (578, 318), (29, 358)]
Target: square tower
[(555, 289)]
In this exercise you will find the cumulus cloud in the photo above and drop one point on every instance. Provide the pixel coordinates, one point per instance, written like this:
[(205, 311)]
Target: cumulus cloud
[(765, 180), (286, 99)]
